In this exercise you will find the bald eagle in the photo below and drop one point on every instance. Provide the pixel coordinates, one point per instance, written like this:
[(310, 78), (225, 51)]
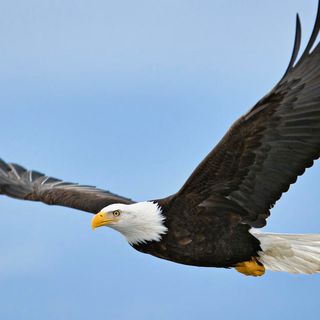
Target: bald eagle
[(212, 220)]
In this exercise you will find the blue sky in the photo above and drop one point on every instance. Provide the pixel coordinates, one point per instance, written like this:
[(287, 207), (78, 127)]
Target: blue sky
[(130, 96)]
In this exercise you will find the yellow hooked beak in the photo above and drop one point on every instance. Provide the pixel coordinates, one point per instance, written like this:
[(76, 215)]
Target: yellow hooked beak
[(99, 220)]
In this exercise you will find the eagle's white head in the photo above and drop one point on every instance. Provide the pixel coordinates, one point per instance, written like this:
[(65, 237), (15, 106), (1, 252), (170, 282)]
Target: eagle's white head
[(139, 222)]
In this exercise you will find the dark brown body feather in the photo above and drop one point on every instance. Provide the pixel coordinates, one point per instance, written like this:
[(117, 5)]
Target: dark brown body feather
[(233, 188), (202, 236)]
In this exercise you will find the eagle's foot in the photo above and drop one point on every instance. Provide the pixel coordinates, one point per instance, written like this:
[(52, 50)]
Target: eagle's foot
[(251, 268)]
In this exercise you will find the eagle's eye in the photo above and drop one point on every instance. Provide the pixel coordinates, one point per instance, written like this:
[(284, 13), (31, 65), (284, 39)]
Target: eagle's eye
[(116, 213)]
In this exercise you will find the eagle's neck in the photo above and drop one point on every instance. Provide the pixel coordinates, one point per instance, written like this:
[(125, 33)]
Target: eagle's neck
[(144, 222)]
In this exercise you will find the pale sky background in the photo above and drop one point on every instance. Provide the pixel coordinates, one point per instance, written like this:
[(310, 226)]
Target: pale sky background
[(130, 96)]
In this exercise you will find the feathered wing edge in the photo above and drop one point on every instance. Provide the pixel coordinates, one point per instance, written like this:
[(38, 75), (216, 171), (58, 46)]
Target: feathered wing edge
[(297, 42), (20, 183), (296, 47)]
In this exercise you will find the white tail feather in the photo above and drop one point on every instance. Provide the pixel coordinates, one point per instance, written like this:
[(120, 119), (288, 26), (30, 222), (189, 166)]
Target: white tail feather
[(293, 253)]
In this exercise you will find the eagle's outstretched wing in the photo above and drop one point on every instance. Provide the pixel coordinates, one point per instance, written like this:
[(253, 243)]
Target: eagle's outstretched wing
[(269, 147), (17, 182)]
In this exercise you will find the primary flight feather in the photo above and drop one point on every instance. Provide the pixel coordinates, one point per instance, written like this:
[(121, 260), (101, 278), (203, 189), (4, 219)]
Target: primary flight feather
[(210, 221)]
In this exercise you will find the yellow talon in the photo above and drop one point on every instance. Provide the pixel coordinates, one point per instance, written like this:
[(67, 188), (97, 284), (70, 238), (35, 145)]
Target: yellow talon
[(251, 268)]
